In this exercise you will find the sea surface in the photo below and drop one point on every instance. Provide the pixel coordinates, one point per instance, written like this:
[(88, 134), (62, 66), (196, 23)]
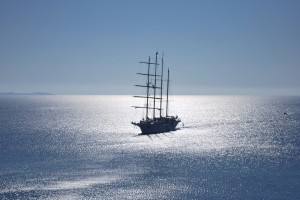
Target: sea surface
[(85, 147)]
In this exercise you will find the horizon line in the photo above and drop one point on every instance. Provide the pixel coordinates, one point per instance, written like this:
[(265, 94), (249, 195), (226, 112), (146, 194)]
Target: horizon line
[(122, 94)]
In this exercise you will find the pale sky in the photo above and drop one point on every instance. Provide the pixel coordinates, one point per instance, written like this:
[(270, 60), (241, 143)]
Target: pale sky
[(93, 47)]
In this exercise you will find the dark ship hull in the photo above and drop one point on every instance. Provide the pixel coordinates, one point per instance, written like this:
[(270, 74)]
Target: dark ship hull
[(158, 125)]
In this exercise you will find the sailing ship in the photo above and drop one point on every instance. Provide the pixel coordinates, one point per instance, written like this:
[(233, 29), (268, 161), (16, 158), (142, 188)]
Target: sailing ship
[(157, 123)]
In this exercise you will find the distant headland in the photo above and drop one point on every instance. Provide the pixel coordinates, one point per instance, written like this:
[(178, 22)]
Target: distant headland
[(25, 93)]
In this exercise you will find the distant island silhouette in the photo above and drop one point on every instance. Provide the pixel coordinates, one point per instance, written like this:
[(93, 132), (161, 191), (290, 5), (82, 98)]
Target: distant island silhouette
[(25, 93)]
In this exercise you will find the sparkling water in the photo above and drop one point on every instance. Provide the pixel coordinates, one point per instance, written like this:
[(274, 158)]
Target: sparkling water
[(85, 147)]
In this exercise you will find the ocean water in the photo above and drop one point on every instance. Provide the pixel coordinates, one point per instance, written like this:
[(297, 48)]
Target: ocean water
[(84, 147)]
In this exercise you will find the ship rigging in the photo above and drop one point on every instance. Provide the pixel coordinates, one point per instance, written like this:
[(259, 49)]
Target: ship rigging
[(154, 123)]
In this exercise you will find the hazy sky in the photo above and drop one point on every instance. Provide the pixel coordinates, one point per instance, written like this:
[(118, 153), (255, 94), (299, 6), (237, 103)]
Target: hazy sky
[(93, 47)]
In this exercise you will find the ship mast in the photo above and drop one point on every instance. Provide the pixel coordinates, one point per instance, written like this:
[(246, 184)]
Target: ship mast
[(154, 87), (167, 104), (149, 86), (161, 84), (147, 105)]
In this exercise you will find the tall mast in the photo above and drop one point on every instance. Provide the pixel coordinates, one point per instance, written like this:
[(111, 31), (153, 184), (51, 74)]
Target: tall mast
[(154, 85), (167, 104), (147, 106), (161, 84), (148, 86)]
